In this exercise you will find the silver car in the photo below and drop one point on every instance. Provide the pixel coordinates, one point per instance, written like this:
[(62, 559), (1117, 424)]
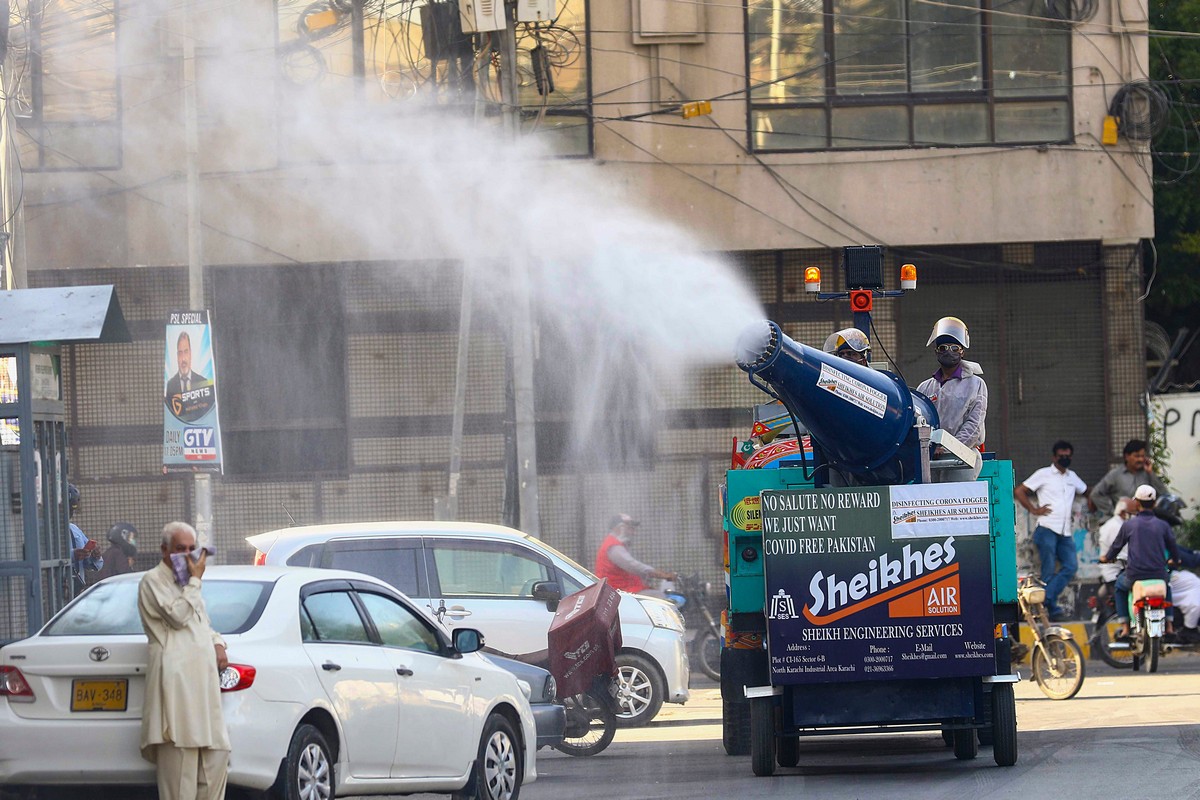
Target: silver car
[(500, 581)]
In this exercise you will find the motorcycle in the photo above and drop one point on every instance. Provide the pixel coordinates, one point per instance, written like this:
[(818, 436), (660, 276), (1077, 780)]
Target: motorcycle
[(1104, 609), (1148, 608), (692, 596), (1057, 660)]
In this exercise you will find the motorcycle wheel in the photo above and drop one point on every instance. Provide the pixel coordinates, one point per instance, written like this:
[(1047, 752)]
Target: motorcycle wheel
[(1118, 659), (708, 654), (1155, 647), (1058, 668), (591, 725)]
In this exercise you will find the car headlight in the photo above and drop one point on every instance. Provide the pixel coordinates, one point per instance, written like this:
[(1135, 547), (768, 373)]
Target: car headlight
[(526, 689), (663, 615), (551, 689)]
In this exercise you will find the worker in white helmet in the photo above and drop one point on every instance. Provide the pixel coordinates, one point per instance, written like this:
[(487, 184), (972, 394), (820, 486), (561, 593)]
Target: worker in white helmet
[(956, 388), (850, 344)]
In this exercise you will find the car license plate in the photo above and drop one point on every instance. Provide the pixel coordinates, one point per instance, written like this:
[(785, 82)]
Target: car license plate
[(112, 695)]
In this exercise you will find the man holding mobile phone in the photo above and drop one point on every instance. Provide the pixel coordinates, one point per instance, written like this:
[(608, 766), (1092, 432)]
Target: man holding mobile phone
[(183, 728)]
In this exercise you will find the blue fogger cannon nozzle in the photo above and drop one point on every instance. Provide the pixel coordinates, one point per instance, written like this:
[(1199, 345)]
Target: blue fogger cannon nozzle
[(862, 420)]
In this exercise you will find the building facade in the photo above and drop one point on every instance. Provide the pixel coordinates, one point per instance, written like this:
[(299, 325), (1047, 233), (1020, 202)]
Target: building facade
[(346, 173)]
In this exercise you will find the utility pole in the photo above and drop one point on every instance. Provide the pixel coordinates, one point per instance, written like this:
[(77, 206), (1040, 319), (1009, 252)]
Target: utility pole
[(522, 323), (195, 255)]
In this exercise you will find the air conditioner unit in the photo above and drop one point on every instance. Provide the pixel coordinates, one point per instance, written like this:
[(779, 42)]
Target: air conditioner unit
[(481, 15), (535, 10)]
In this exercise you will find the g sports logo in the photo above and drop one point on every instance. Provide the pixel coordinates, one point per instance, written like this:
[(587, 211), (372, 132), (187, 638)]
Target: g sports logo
[(920, 583)]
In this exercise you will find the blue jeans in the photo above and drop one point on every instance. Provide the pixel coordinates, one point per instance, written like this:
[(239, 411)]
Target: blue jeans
[(1121, 590), (1052, 547)]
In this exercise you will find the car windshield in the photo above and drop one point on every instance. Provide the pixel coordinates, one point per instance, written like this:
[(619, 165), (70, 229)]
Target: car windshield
[(583, 571), (110, 609)]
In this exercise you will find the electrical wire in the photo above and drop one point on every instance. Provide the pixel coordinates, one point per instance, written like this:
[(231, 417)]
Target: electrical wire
[(1141, 110)]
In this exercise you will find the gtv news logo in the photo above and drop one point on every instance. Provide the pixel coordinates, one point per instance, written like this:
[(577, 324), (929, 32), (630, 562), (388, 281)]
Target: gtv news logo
[(199, 444)]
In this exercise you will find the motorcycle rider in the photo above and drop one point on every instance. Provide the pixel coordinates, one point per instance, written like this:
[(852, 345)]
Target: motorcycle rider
[(119, 557), (1149, 537), (850, 344)]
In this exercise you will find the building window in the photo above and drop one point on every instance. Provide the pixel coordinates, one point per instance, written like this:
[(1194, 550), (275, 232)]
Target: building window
[(384, 53), (65, 90), (280, 336), (852, 74)]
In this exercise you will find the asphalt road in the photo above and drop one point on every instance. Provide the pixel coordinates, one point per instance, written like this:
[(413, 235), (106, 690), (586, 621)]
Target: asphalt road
[(1124, 735)]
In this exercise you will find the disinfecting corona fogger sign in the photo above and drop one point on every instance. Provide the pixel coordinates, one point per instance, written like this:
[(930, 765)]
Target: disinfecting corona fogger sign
[(878, 583)]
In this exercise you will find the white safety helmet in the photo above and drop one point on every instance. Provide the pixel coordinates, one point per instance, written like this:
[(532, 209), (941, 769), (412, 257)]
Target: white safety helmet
[(953, 327), (853, 338)]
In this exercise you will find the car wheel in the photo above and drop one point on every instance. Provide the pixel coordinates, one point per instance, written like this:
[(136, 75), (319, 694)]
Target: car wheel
[(640, 690), (499, 764), (308, 769)]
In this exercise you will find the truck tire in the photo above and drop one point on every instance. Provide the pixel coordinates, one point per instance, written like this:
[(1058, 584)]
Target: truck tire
[(966, 746), (762, 736), (1004, 725), (735, 727), (787, 751)]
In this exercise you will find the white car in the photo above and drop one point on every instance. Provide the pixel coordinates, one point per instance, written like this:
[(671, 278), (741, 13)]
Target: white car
[(336, 684), (501, 581)]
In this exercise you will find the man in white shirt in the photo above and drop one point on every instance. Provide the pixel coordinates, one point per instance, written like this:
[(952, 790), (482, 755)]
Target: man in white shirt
[(1056, 487), (1125, 508)]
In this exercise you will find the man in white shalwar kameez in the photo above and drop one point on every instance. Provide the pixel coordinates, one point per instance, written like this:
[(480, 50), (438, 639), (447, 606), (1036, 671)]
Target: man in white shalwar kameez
[(183, 729)]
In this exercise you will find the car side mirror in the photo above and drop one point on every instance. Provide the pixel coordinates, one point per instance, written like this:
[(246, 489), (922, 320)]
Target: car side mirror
[(548, 591), (467, 640)]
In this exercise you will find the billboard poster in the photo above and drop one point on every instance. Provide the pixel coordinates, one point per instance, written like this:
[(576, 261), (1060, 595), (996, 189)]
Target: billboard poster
[(191, 426), (878, 583)]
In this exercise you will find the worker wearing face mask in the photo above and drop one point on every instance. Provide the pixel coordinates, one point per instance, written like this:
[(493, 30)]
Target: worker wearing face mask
[(956, 388), (1056, 486)]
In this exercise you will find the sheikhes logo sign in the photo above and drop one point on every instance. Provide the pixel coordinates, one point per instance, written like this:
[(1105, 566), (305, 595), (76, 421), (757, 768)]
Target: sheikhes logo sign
[(920, 583)]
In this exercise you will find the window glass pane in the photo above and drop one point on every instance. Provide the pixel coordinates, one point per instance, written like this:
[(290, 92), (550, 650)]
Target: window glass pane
[(384, 560), (66, 93), (1030, 56), (1032, 122), (789, 129), (869, 47), (416, 49), (552, 78), (492, 572), (786, 41), (397, 626), (870, 127), (335, 618), (950, 124), (110, 609), (562, 56), (946, 47), (561, 135)]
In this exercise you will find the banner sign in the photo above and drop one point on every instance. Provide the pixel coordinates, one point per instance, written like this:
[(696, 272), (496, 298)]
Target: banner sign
[(878, 583), (191, 427)]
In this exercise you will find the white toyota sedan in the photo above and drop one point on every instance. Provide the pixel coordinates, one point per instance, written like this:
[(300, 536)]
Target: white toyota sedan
[(337, 684)]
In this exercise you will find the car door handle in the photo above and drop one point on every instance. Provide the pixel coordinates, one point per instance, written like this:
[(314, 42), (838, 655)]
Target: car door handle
[(404, 671), (457, 612), (329, 666)]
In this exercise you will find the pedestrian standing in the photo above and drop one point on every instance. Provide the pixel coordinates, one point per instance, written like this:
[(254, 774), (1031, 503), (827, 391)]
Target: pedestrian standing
[(1056, 487), (183, 728), (1123, 480)]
